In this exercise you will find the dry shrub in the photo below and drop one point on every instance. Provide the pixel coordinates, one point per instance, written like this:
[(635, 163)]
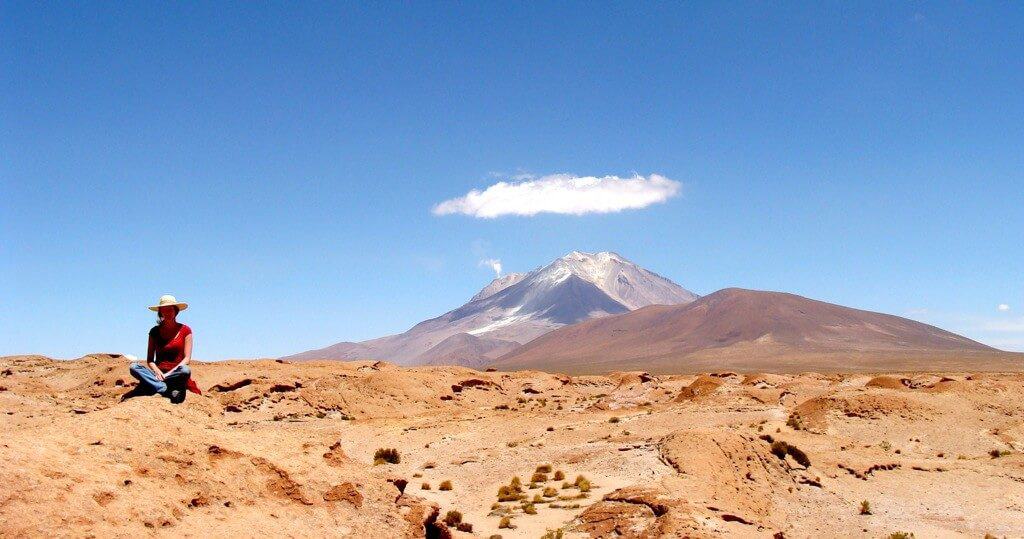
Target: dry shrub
[(445, 485), (452, 518), (383, 455)]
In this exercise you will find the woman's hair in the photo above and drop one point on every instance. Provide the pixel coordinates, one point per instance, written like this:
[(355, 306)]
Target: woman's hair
[(160, 319)]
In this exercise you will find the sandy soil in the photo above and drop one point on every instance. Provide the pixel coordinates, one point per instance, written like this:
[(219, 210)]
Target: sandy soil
[(286, 449)]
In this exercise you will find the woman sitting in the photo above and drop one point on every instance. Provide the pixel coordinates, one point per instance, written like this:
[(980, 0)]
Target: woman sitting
[(170, 350)]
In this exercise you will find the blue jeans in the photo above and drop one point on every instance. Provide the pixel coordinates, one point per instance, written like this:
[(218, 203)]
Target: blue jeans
[(149, 384)]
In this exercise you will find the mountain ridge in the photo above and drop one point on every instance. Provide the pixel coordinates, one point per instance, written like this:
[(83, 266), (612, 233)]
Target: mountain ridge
[(731, 320), (516, 308)]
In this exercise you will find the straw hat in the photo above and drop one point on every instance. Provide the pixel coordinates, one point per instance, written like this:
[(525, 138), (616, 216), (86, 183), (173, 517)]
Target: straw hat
[(167, 300)]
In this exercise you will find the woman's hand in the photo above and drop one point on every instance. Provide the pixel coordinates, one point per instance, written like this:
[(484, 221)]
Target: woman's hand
[(156, 371)]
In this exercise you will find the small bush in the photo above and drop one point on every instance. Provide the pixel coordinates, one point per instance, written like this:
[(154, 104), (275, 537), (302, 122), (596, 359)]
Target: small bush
[(464, 527), (429, 465), (584, 485), (543, 468), (386, 455), (539, 478), (508, 494), (516, 484), (559, 476), (445, 485), (505, 523), (452, 518), (551, 429), (799, 456), (537, 499), (550, 492), (901, 535), (996, 453), (529, 509), (425, 486), (567, 485), (865, 508), (614, 419), (794, 421)]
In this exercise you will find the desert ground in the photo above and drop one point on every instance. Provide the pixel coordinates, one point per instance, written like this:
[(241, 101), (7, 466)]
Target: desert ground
[(289, 449)]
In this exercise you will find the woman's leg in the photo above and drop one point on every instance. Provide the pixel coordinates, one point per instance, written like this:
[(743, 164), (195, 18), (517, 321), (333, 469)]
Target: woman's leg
[(177, 380), (178, 377), (148, 382)]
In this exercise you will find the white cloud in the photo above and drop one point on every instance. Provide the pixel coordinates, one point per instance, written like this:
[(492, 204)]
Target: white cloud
[(1003, 307), (494, 264), (563, 194)]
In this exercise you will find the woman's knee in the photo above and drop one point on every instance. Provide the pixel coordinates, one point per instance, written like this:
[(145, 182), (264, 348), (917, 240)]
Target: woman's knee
[(137, 367)]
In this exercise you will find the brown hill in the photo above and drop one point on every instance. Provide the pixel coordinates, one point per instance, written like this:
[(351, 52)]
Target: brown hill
[(737, 328)]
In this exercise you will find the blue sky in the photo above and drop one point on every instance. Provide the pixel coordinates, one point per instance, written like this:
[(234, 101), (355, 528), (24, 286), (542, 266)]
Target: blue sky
[(276, 165)]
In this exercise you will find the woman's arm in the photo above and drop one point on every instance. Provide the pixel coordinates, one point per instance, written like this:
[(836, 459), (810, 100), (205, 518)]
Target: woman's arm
[(151, 359), (188, 350)]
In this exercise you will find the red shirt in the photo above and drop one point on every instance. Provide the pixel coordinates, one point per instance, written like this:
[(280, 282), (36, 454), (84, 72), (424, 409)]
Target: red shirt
[(170, 353)]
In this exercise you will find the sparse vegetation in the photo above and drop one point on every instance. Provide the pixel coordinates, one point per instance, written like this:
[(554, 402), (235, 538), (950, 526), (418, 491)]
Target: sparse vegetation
[(464, 527), (425, 486), (885, 446), (559, 475), (445, 485), (614, 419), (550, 492), (530, 509), (996, 453), (795, 422), (901, 535), (389, 456), (553, 534), (539, 477), (780, 449), (452, 518), (429, 465), (865, 507), (505, 524), (507, 493), (543, 468)]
